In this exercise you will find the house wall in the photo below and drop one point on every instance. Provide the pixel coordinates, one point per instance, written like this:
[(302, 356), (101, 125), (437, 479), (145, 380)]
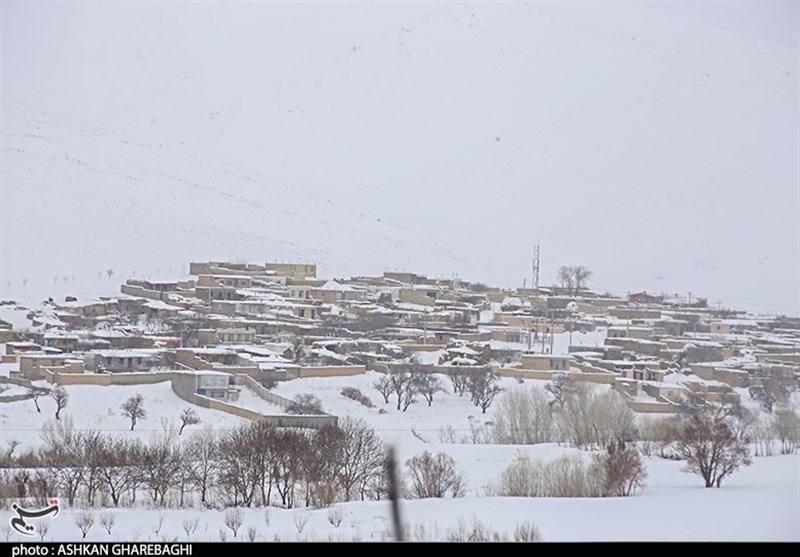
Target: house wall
[(140, 292), (331, 371), (293, 270), (544, 363), (646, 407), (635, 313), (418, 296)]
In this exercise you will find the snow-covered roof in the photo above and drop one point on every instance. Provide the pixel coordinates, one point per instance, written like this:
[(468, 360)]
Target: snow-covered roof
[(123, 353), (158, 304), (339, 287)]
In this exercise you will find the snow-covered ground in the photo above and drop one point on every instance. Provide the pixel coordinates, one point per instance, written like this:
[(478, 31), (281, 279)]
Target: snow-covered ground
[(759, 503), (93, 407)]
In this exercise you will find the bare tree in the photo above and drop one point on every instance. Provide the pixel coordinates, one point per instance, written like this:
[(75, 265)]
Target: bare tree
[(252, 533), (566, 278), (119, 458), (110, 272), (427, 385), (133, 409), (61, 397), (234, 518), (458, 377), (773, 390), (559, 388), (298, 350), (202, 453), (786, 424), (710, 447), (384, 386), (321, 469), (159, 467), (35, 393), (362, 457), (573, 278), (403, 388), (582, 276), (188, 417), (107, 521), (435, 476), (482, 385), (84, 520), (291, 452)]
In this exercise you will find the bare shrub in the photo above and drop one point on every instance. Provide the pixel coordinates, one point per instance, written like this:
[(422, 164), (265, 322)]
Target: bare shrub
[(593, 419), (622, 468), (190, 526), (355, 394), (567, 476), (158, 525), (523, 417), (435, 476), (335, 516), (43, 528), (267, 517), (84, 520), (447, 435), (234, 518), (300, 521), (107, 521), (252, 534), (306, 404), (527, 532), (474, 531)]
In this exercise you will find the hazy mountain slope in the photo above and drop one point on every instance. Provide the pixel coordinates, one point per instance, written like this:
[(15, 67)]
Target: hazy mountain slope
[(441, 138)]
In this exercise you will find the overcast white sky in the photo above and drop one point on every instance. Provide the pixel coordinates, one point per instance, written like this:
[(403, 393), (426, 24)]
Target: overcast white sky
[(655, 142)]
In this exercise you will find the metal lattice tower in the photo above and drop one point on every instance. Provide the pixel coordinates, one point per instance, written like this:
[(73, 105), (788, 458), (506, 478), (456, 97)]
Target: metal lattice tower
[(535, 268)]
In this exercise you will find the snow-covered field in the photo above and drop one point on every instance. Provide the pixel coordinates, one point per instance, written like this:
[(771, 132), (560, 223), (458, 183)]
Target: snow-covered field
[(93, 407), (760, 503)]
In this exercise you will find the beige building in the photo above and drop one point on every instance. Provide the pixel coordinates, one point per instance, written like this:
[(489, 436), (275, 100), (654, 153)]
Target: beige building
[(547, 362), (293, 270)]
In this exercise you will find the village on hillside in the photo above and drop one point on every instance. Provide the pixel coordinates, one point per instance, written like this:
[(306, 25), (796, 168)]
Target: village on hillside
[(236, 328)]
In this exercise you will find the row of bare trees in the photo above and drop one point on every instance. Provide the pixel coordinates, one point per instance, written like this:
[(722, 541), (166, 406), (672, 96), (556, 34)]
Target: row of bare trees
[(572, 413), (405, 383), (713, 439), (253, 464)]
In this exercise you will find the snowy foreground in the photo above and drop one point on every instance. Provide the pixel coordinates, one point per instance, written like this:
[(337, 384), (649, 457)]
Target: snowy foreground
[(761, 503), (758, 503)]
